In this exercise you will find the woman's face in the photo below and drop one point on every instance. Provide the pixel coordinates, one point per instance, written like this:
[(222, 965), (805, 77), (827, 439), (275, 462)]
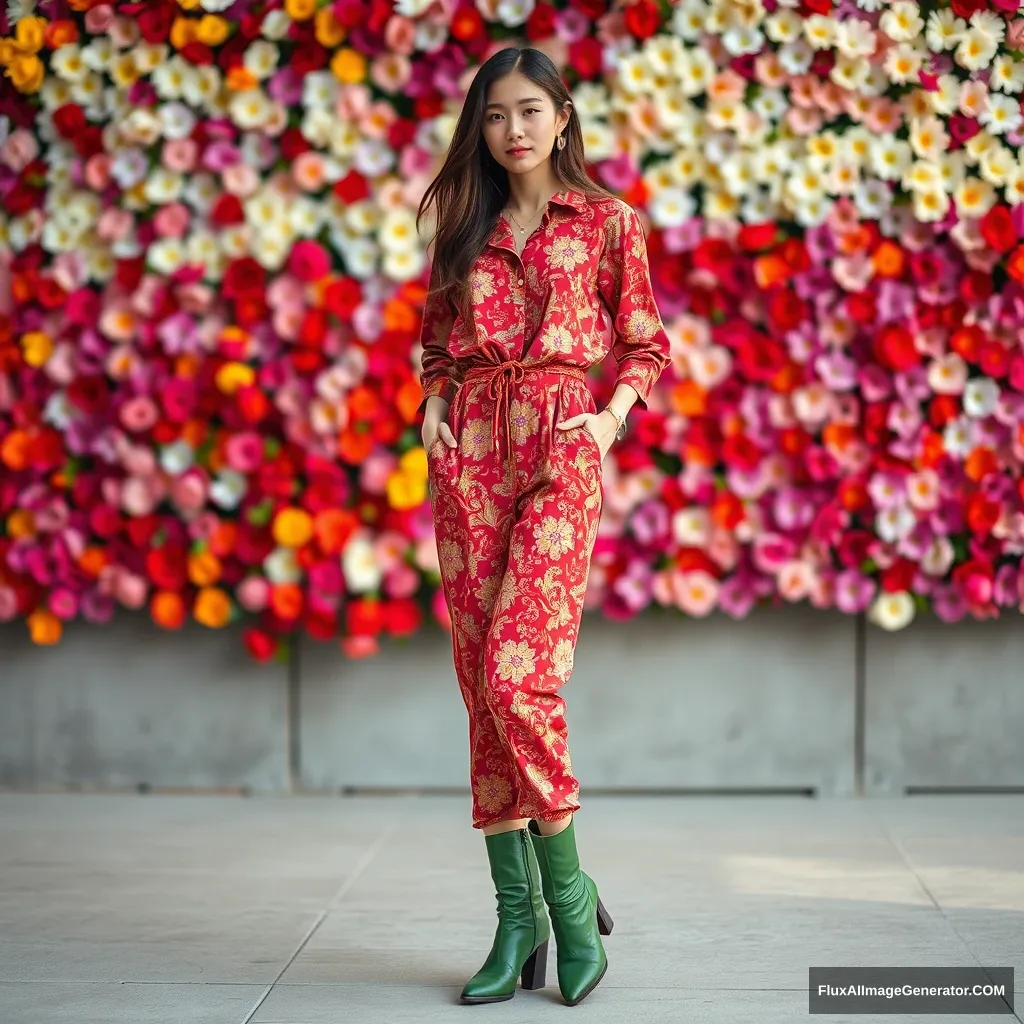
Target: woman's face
[(520, 123)]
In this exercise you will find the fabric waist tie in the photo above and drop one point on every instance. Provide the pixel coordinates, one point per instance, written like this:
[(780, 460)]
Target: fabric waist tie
[(500, 378)]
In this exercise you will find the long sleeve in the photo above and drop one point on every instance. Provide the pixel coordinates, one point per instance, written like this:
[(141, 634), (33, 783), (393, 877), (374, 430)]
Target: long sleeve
[(641, 346), (438, 373)]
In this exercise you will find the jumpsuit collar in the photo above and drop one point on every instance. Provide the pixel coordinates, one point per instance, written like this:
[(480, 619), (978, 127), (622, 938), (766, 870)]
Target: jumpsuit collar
[(570, 197)]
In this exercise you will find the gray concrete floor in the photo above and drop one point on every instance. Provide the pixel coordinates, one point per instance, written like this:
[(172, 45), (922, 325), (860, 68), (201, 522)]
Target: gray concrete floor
[(302, 910)]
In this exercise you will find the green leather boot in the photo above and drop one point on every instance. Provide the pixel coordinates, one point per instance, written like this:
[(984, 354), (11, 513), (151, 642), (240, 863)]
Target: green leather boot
[(521, 940), (578, 917)]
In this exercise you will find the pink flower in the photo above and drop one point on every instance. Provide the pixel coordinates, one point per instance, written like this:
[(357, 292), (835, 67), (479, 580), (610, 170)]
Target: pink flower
[(401, 581), (8, 603), (854, 592), (138, 414), (19, 149), (795, 579), (180, 155), (172, 221), (309, 261), (253, 593), (130, 589), (63, 603), (771, 551), (189, 490), (696, 593), (244, 452)]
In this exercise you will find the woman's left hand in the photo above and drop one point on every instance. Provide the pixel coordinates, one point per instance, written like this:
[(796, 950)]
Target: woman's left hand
[(602, 427)]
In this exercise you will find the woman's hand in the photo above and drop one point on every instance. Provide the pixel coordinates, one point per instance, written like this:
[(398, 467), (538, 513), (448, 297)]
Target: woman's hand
[(602, 426), (436, 425)]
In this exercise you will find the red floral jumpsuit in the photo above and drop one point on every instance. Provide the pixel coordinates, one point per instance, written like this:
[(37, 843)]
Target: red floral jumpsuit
[(517, 504)]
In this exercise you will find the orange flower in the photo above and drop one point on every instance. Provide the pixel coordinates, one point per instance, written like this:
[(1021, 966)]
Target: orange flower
[(167, 609), (92, 561), (292, 527), (44, 627), (980, 463), (771, 270), (204, 569), (286, 600), (689, 398), (333, 528), (354, 446), (21, 524), (212, 607), (224, 538), (889, 259), (14, 450)]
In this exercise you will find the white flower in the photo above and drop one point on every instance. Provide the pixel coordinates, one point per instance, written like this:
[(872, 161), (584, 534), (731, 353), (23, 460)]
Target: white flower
[(895, 522), (930, 205), (958, 437), (169, 78), (945, 30), (997, 165), (360, 565), (514, 12), (176, 458), (66, 63), (928, 138), (691, 527), (739, 41), (872, 198), (689, 18), (163, 186), (1015, 187), (672, 207), (819, 31), (261, 58), (902, 63), (974, 197), (784, 26), (229, 488), (890, 157), (981, 395), (952, 169), (850, 73), (947, 374), (696, 74), (166, 255), (855, 38), (892, 611), (975, 51), (946, 98), (250, 108), (806, 182), (282, 566), (796, 58), (397, 231), (1007, 74), (988, 24), (902, 22), (276, 25), (1002, 114)]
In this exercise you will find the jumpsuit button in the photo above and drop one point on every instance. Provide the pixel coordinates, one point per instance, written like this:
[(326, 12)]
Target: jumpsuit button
[(520, 281)]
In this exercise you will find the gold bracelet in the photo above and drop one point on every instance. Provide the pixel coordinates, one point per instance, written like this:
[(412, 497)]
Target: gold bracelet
[(619, 420)]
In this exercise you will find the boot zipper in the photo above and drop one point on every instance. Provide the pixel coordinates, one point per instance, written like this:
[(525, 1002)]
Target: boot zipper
[(524, 839)]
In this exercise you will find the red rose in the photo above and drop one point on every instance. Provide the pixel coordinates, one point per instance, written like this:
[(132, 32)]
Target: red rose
[(966, 342), (740, 451), (854, 547), (243, 276), (105, 520), (69, 120), (942, 409), (976, 287), (994, 359), (89, 393), (592, 9), (541, 22), (141, 529), (898, 576), (894, 348), (965, 8), (1015, 264), (786, 310), (981, 514), (342, 296), (226, 209), (861, 307), (364, 617), (320, 625), (809, 7), (402, 617), (352, 188), (1017, 373), (754, 237), (401, 132), (167, 566), (642, 19), (262, 646), (962, 128), (586, 56), (997, 229), (155, 21)]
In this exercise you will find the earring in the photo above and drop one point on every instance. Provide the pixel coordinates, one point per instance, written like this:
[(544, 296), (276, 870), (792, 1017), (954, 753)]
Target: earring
[(561, 142)]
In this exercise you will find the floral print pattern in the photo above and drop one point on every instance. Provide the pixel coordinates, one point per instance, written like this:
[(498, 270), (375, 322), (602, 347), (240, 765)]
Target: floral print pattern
[(517, 503)]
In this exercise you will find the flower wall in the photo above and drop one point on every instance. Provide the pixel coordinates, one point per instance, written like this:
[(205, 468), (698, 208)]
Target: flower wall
[(211, 287)]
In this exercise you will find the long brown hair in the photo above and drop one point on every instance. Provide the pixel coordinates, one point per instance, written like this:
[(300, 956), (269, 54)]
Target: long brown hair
[(472, 187)]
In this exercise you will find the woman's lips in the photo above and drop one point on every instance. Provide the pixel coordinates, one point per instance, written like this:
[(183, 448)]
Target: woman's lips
[(519, 152)]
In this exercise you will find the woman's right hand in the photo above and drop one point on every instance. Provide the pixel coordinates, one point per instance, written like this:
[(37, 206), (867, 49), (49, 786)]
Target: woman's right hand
[(435, 425)]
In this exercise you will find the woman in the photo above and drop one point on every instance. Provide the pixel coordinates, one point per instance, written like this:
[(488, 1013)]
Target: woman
[(532, 260)]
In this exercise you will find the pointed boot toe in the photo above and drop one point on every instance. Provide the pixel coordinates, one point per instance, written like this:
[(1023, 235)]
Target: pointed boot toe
[(520, 946), (578, 917)]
